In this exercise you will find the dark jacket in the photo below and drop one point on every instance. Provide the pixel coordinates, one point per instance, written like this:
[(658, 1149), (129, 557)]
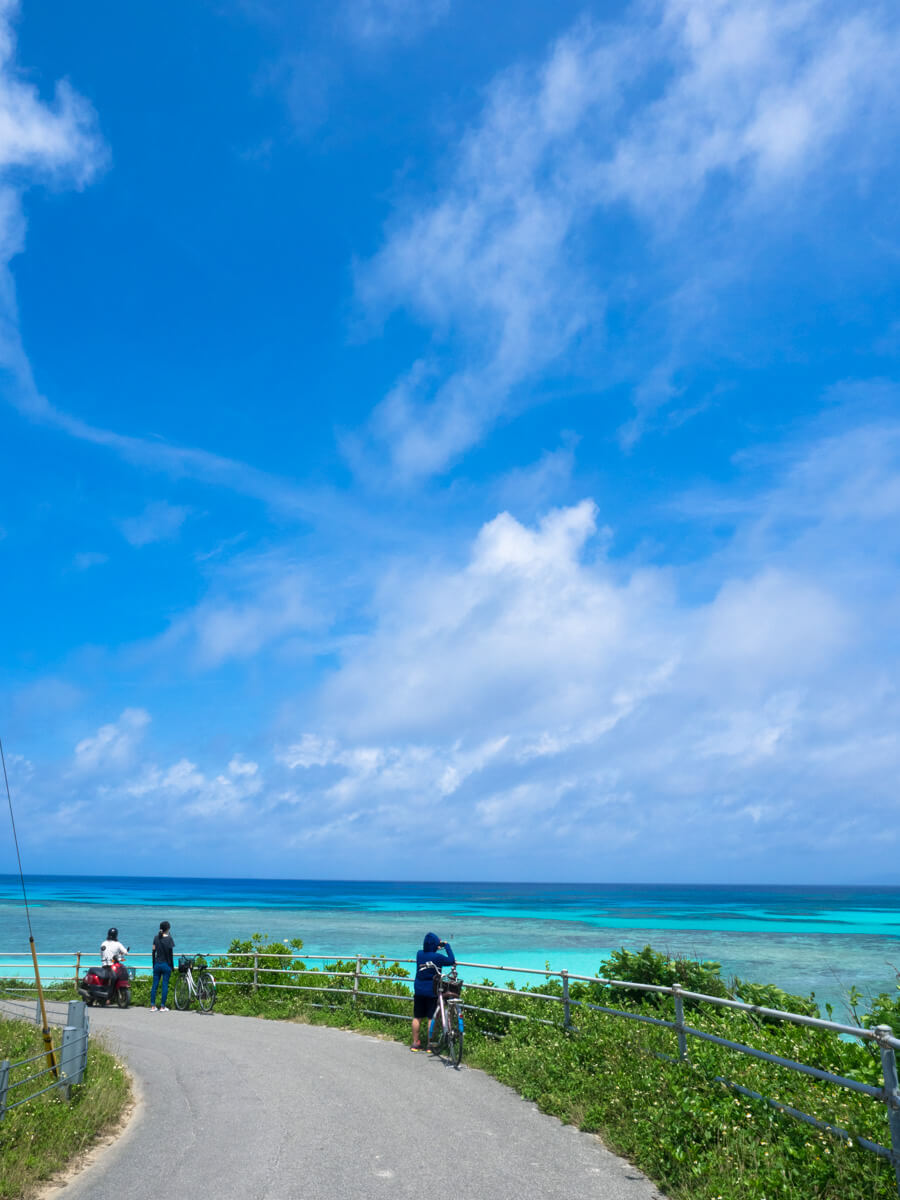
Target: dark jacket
[(163, 945), (429, 953)]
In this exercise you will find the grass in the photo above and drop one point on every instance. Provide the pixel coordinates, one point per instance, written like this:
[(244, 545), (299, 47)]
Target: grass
[(45, 1135), (694, 1136)]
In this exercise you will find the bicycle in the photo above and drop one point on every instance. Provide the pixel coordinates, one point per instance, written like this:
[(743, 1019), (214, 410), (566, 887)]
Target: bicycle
[(448, 990), (185, 987)]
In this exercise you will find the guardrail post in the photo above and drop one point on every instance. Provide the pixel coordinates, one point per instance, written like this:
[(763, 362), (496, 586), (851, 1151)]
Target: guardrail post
[(37, 1012), (891, 1091), (256, 972), (4, 1085), (356, 981), (679, 1021), (77, 965), (69, 1059), (567, 1008), (77, 1017)]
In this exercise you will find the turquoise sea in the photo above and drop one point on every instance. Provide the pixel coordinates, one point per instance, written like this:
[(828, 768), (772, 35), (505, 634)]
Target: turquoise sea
[(821, 939)]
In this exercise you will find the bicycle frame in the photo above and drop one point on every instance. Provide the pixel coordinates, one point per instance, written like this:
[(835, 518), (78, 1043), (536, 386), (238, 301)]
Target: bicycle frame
[(449, 1011)]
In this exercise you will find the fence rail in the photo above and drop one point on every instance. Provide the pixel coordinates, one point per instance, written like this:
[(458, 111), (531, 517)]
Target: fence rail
[(70, 1055), (251, 965)]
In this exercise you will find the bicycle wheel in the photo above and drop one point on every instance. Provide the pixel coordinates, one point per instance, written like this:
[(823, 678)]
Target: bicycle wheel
[(455, 1034), (206, 991), (437, 1031), (182, 992)]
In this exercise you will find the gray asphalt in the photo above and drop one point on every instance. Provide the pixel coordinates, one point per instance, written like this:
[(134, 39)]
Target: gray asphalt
[(268, 1110)]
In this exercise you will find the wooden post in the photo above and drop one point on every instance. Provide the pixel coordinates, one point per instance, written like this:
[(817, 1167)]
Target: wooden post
[(77, 965)]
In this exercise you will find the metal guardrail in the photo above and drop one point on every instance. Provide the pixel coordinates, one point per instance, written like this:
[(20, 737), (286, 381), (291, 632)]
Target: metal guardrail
[(71, 1055), (882, 1037)]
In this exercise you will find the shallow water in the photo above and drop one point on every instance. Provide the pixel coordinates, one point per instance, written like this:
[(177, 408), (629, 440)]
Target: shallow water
[(803, 939)]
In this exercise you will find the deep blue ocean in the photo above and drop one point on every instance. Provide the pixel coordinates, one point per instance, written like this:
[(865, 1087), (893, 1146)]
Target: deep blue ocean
[(820, 939)]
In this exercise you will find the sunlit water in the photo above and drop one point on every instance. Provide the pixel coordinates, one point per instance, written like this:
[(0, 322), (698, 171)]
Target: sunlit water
[(804, 939)]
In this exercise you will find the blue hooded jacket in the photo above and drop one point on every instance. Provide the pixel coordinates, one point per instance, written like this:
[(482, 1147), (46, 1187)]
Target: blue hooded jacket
[(424, 975)]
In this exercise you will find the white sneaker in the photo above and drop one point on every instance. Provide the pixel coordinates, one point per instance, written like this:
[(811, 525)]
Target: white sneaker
[(153, 1008), (162, 1008)]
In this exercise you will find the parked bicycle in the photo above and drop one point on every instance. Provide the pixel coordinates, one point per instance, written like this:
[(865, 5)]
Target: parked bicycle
[(204, 988), (445, 1031)]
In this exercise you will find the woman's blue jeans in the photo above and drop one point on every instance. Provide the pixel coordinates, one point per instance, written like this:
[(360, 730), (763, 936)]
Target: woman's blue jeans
[(161, 971)]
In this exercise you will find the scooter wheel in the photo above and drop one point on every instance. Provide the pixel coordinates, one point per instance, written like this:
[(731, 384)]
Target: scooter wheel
[(123, 997)]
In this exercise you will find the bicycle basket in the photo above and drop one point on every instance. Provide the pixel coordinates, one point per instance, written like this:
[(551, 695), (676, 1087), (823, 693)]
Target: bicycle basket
[(185, 963), (447, 987)]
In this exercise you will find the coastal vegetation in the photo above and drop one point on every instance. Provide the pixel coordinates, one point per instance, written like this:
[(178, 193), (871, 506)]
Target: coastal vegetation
[(679, 1121), (44, 1136)]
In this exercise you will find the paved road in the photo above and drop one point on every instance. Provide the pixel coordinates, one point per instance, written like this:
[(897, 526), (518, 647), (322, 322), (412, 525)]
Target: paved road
[(268, 1110)]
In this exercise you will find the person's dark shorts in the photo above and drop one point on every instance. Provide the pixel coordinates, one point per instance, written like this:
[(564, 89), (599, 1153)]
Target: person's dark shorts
[(424, 1006)]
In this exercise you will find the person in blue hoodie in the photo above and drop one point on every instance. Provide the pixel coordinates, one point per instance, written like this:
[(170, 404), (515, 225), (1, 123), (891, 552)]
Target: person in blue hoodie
[(424, 999)]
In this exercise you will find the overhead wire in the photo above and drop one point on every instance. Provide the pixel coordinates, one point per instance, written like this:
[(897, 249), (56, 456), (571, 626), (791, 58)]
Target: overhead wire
[(16, 841), (45, 1031)]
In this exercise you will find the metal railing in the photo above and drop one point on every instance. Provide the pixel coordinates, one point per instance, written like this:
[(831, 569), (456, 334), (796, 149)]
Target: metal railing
[(254, 971), (70, 1055)]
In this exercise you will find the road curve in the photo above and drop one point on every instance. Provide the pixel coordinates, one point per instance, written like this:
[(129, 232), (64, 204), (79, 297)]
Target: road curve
[(270, 1110)]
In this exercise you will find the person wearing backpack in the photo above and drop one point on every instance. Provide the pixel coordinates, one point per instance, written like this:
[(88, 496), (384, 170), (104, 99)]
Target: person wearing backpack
[(163, 961)]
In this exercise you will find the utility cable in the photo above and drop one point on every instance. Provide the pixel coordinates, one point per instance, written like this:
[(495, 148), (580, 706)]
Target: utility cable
[(16, 841), (45, 1031)]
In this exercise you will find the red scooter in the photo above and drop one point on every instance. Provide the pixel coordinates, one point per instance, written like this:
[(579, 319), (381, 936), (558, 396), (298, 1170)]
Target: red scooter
[(102, 985)]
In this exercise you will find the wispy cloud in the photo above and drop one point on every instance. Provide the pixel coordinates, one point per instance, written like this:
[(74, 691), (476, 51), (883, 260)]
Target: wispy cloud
[(89, 558), (571, 705), (683, 119), (378, 21), (60, 145), (158, 522), (254, 602), (54, 145), (113, 746)]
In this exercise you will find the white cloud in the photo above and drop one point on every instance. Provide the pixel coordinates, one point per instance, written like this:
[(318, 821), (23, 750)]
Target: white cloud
[(54, 144), (560, 705), (59, 145), (183, 792), (158, 522), (573, 703), (113, 746), (643, 121)]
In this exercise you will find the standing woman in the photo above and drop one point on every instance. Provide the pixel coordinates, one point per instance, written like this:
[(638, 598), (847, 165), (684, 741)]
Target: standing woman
[(163, 961)]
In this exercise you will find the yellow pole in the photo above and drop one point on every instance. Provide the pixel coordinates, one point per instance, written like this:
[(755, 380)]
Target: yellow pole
[(45, 1029)]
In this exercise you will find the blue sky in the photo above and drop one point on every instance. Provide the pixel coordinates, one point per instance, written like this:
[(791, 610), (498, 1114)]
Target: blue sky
[(449, 441)]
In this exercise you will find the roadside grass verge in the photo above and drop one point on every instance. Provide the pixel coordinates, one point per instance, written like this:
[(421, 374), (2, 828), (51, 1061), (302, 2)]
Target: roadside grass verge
[(694, 1136), (689, 1132), (45, 1135)]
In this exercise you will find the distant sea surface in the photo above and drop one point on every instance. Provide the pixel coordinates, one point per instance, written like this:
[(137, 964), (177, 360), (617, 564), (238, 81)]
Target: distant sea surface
[(819, 939)]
